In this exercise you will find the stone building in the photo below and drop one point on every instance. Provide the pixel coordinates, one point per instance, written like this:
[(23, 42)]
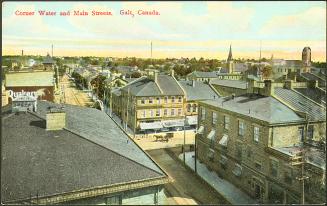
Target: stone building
[(306, 59), (253, 140), (65, 154)]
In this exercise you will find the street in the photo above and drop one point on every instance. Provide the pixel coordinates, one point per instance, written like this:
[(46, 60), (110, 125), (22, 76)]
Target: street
[(187, 187), (72, 95)]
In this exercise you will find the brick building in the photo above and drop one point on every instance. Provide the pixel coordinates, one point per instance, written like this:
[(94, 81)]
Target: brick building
[(252, 141)]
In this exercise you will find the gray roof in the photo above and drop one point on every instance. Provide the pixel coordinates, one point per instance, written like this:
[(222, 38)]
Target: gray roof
[(145, 86), (24, 79), (205, 74), (310, 76), (293, 63), (300, 103), (229, 83), (267, 109), (315, 94), (91, 152), (200, 91)]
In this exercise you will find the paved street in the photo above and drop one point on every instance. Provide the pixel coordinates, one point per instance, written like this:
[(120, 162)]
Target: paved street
[(187, 188), (72, 95)]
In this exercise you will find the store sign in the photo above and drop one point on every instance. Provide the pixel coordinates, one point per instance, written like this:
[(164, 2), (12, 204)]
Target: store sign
[(14, 95)]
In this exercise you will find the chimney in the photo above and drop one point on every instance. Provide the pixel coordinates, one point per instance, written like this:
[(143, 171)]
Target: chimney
[(55, 119), (193, 83), (289, 84), (269, 89), (22, 52), (313, 84)]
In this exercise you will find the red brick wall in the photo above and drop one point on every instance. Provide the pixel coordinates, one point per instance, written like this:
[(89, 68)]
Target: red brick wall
[(48, 92)]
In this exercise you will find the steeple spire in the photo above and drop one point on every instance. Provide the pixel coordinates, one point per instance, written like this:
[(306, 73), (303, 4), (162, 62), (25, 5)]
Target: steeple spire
[(230, 56)]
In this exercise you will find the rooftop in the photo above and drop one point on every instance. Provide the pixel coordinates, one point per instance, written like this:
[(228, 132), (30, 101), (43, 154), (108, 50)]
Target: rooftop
[(315, 94), (145, 86), (302, 104), (230, 83), (200, 91), (89, 153), (267, 109), (23, 79)]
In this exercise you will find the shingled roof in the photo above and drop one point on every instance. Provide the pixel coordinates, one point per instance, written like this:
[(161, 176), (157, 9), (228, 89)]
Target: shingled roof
[(200, 91), (302, 104), (91, 152), (145, 86), (267, 109)]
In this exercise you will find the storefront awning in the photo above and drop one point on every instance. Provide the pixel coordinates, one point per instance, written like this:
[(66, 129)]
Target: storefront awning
[(211, 153), (223, 141), (173, 123), (200, 130), (192, 120), (237, 171), (212, 134), (150, 125), (223, 159)]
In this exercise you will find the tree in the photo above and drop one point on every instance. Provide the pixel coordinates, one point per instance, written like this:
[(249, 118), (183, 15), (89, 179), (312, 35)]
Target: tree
[(266, 72), (136, 75), (98, 84)]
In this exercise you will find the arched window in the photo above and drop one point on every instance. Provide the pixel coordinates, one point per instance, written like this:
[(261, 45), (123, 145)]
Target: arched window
[(188, 107), (194, 107)]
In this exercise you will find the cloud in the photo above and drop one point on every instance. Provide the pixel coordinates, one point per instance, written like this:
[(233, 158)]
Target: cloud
[(310, 24)]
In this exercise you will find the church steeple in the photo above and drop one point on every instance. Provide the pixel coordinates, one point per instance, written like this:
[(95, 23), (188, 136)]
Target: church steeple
[(230, 56)]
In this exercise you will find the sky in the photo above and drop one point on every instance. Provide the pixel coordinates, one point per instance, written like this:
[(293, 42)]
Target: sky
[(183, 29)]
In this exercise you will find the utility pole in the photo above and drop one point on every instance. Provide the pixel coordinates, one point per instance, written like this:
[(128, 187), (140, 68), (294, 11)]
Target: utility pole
[(184, 139), (127, 109), (195, 169), (299, 159)]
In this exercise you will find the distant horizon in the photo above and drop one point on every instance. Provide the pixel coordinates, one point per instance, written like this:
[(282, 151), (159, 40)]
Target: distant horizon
[(183, 29)]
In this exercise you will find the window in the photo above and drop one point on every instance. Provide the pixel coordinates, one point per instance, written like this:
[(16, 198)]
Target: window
[(179, 112), (226, 122), (301, 133), (240, 128), (258, 166), (194, 107), (188, 107), (256, 134), (172, 112), (274, 168), (172, 99), (151, 113), (158, 112), (144, 113), (214, 118), (310, 132), (288, 176), (166, 99), (203, 113), (150, 100), (158, 100), (179, 99), (165, 112), (143, 101)]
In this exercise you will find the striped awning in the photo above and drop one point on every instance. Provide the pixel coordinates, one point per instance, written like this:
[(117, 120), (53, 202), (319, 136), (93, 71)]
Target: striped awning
[(173, 123), (192, 120), (200, 130), (223, 141), (212, 134), (150, 125), (237, 171)]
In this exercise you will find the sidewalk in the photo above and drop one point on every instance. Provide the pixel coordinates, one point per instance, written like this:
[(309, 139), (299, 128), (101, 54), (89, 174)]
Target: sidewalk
[(230, 192)]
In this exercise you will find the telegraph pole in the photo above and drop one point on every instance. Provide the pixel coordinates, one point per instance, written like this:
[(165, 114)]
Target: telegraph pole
[(184, 140), (300, 160)]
